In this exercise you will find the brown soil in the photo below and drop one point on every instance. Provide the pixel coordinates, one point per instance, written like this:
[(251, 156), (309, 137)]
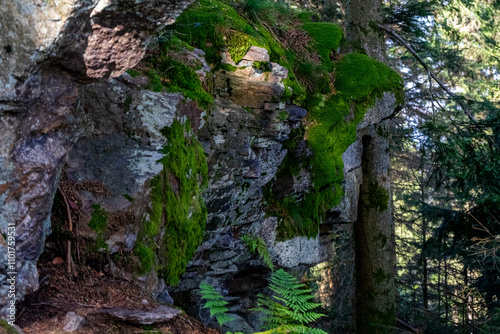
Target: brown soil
[(43, 311)]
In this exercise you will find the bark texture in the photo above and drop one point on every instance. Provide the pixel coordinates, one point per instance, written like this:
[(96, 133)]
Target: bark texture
[(374, 228)]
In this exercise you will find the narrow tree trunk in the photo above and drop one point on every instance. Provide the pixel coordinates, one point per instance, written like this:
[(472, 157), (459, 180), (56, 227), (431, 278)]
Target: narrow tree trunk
[(374, 234), (374, 228), (446, 303), (425, 288), (439, 292)]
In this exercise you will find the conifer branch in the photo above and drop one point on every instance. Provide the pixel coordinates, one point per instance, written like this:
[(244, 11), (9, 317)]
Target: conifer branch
[(426, 67)]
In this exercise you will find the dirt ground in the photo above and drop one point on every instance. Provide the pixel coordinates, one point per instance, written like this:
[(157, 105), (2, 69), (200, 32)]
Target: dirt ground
[(43, 311)]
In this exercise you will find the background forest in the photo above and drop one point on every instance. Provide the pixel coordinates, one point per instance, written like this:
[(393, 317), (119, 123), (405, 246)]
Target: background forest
[(445, 161)]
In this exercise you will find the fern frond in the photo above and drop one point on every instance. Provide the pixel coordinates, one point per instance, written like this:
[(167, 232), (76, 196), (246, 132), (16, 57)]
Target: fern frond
[(215, 303), (257, 245), (290, 308)]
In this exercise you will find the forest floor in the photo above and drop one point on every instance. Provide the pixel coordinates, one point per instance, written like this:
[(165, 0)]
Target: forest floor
[(44, 310)]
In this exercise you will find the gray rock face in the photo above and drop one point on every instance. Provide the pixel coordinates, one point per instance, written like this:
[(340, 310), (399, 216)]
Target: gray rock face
[(120, 149), (96, 38), (50, 52), (159, 314)]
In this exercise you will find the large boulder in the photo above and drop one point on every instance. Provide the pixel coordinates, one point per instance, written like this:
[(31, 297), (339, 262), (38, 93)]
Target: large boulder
[(50, 51)]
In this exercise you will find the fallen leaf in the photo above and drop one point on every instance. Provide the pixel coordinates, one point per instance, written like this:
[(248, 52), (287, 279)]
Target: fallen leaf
[(72, 204), (57, 260)]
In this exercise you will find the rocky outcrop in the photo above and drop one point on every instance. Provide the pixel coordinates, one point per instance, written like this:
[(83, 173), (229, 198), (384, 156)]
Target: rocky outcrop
[(66, 101), (50, 51)]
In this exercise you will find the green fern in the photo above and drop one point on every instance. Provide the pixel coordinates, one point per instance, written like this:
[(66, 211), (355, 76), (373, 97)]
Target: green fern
[(257, 245), (215, 303), (290, 309)]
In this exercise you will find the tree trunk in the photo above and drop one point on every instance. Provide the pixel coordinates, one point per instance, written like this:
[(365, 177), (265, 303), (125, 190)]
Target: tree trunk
[(374, 240), (374, 228)]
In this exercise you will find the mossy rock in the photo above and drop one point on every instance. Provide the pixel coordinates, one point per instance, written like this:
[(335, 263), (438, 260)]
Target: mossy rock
[(331, 129), (176, 204), (167, 74), (327, 38)]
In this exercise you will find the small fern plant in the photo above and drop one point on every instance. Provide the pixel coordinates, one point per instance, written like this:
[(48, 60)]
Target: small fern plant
[(290, 309), (215, 303), (257, 245)]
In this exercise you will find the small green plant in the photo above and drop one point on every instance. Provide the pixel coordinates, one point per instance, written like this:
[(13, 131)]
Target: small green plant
[(257, 245), (215, 303), (289, 310), (283, 115), (263, 66), (99, 223)]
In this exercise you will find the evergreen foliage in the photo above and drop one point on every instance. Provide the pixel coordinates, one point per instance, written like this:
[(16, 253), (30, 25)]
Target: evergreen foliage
[(448, 185), (258, 246)]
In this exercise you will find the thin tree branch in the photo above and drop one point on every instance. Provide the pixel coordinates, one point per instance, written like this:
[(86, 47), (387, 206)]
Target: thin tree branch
[(422, 62), (406, 326), (69, 260)]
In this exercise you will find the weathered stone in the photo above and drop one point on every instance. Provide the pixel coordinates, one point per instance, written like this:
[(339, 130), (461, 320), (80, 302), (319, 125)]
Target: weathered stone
[(50, 51), (72, 322), (256, 54), (164, 297), (383, 108), (157, 315), (249, 87), (238, 324), (123, 240)]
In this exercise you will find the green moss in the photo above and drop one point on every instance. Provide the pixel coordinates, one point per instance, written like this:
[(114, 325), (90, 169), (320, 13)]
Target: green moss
[(210, 25), (263, 66), (283, 115), (378, 197), (173, 76), (8, 328), (185, 210), (227, 67), (99, 223), (133, 73), (305, 17), (332, 123), (238, 45), (362, 79), (177, 203), (359, 81), (169, 41), (129, 198), (214, 26), (155, 83), (146, 257), (327, 37)]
